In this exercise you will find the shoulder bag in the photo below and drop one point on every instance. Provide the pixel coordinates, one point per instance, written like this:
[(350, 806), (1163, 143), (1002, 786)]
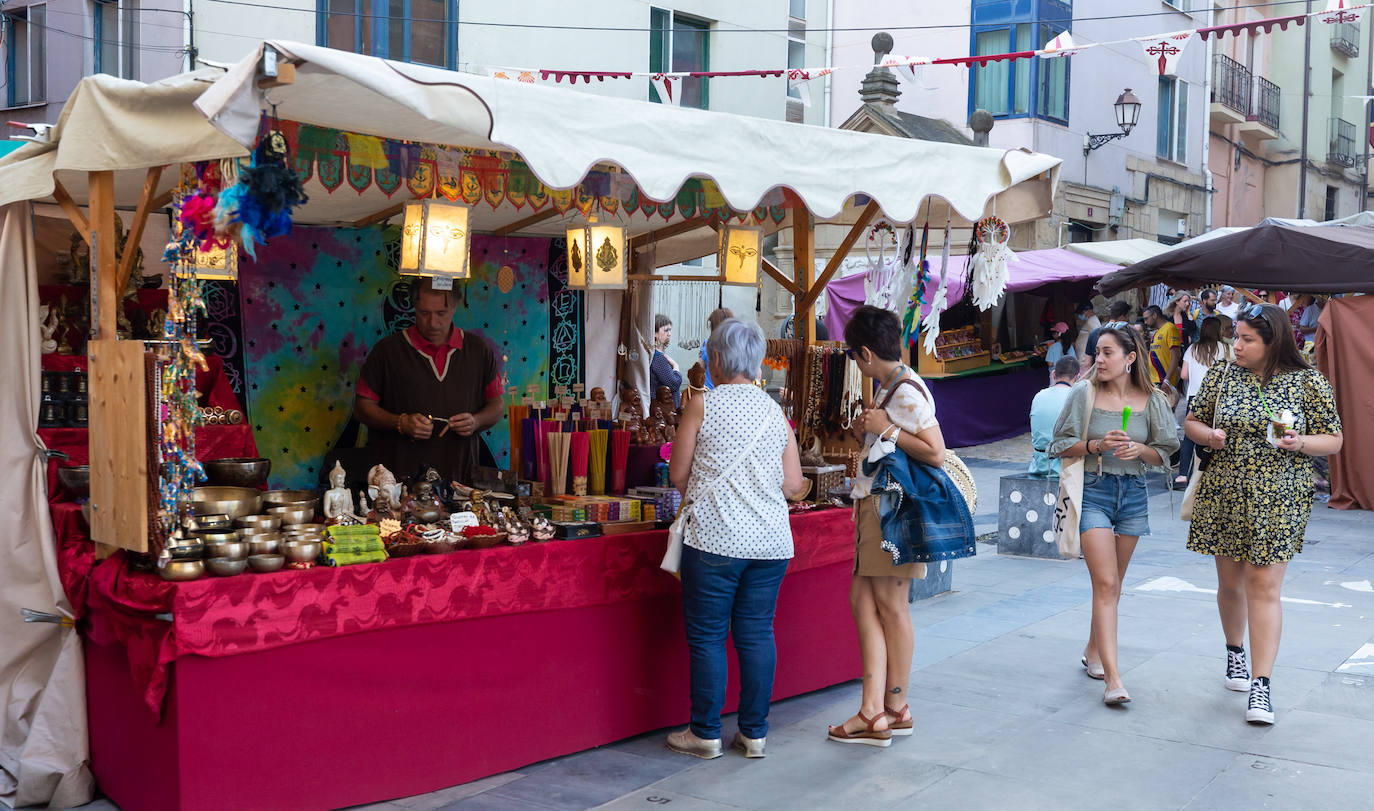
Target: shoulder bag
[(677, 531), (1069, 505), (953, 467), (1185, 511)]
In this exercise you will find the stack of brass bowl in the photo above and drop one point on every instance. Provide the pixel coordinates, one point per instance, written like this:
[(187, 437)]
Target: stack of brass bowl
[(181, 570), (290, 498), (266, 563), (214, 521), (261, 541), (238, 472), (235, 502), (226, 567), (293, 514), (301, 550), (259, 522)]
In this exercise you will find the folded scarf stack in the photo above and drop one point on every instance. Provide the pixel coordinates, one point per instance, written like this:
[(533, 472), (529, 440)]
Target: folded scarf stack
[(348, 559), (355, 544)]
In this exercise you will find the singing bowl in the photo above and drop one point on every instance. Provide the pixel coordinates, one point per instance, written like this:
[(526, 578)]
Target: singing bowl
[(292, 515), (266, 563), (235, 502), (226, 567), (217, 535), (260, 522), (308, 529), (215, 521), (235, 550), (76, 479), (264, 545), (258, 532), (301, 551), (287, 498), (182, 570), (186, 550), (237, 472)]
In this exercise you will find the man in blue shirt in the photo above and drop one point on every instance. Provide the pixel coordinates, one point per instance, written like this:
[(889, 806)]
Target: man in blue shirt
[(1044, 413)]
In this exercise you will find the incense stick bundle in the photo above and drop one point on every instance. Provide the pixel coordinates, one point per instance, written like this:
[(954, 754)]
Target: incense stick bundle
[(620, 457), (546, 427), (529, 461), (558, 461), (579, 455), (598, 461)]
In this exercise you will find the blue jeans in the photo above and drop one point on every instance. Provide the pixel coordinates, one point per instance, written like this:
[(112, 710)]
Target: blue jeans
[(1116, 502), (736, 596)]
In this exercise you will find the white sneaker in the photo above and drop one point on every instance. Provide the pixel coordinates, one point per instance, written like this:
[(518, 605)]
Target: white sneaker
[(1261, 709), (1237, 671), (686, 742), (751, 747)]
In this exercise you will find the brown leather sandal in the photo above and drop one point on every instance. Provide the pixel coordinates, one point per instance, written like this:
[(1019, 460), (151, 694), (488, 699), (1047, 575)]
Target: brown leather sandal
[(896, 725), (870, 737)]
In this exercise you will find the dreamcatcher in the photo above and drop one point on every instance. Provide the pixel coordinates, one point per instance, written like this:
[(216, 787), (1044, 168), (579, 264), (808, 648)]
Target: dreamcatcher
[(881, 276), (988, 265), (940, 301)]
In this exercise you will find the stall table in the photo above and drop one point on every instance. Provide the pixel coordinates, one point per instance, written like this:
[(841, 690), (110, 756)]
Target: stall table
[(334, 687), (987, 404)]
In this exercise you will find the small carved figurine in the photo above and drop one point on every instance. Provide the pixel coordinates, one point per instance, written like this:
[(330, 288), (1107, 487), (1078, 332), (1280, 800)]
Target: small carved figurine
[(338, 500), (47, 325), (386, 493), (424, 506), (663, 404), (542, 528)]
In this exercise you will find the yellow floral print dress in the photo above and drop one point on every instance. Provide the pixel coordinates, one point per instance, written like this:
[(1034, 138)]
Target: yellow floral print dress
[(1254, 500)]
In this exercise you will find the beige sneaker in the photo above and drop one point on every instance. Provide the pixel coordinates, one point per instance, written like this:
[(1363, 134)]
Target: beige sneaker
[(751, 747), (687, 743)]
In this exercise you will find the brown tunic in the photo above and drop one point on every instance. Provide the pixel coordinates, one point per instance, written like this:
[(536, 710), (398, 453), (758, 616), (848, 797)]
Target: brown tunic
[(405, 374)]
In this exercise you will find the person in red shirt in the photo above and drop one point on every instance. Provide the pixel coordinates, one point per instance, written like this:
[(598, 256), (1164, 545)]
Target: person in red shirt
[(427, 392)]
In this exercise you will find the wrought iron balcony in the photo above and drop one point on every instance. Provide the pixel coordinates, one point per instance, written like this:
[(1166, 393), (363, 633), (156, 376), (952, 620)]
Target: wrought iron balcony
[(1342, 149), (1266, 103), (1231, 84), (1345, 38)]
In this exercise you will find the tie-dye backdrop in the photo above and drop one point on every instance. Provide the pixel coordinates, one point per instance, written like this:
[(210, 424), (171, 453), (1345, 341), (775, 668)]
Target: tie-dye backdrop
[(318, 299)]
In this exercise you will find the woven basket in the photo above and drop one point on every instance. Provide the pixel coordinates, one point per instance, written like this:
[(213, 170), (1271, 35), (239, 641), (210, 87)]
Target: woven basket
[(441, 547), (486, 541), (957, 471), (405, 550)]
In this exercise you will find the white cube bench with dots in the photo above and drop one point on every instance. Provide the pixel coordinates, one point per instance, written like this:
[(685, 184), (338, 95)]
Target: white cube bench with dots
[(1025, 516)]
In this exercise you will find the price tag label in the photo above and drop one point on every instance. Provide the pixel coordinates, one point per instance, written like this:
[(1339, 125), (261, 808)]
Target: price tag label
[(460, 520), (443, 282)]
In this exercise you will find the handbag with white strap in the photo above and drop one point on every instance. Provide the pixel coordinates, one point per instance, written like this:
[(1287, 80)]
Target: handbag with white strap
[(677, 531), (1185, 510), (1069, 506)]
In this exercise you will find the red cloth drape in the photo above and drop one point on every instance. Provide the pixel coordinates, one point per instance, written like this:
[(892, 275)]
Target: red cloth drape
[(212, 442), (250, 612)]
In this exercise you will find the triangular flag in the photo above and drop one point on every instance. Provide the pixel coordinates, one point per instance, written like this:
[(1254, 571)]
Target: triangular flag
[(1342, 11), (667, 90), (799, 79), (1163, 51), (908, 67), (1062, 45)]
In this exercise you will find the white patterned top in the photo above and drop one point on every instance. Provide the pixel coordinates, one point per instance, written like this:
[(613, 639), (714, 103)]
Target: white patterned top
[(910, 410), (745, 517)]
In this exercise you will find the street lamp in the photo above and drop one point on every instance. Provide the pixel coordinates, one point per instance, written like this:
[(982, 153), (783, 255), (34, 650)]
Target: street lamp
[(1127, 108)]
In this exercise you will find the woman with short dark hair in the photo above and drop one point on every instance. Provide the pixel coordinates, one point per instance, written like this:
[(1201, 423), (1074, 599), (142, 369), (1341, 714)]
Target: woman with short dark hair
[(1265, 417), (663, 370)]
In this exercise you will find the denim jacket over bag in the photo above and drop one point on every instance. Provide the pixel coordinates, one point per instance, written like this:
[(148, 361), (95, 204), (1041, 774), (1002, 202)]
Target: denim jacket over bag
[(922, 513)]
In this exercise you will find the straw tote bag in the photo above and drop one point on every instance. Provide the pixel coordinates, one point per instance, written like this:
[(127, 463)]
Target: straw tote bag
[(677, 531), (1069, 505), (1185, 510)]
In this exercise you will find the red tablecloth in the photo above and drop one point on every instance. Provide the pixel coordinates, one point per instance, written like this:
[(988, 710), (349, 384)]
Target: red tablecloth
[(219, 617), (212, 442)]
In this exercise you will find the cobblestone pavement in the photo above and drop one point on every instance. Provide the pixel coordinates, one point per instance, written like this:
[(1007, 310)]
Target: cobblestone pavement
[(1005, 717)]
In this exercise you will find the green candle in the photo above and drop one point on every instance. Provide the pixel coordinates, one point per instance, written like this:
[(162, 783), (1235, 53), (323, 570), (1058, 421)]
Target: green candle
[(1125, 418)]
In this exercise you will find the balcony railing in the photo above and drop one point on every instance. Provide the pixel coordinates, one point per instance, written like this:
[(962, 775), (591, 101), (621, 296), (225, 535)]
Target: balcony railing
[(1266, 103), (1345, 38), (1342, 149), (1231, 84)]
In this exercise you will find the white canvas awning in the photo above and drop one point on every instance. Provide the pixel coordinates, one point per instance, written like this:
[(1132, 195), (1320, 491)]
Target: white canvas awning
[(1120, 251)]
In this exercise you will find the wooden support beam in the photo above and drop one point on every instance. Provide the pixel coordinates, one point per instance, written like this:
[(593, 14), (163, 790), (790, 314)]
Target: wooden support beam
[(72, 210), (669, 231), (865, 217), (804, 261), (1251, 297), (782, 280), (104, 272), (135, 235), (380, 216), (162, 200), (532, 220)]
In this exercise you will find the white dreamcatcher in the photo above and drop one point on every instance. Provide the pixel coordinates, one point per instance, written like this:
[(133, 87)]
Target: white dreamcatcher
[(989, 263), (880, 280), (940, 301)]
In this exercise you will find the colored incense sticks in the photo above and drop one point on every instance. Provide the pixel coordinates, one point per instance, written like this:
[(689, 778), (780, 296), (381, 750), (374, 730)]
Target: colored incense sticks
[(546, 428), (599, 438), (579, 455), (529, 440), (558, 462), (620, 458)]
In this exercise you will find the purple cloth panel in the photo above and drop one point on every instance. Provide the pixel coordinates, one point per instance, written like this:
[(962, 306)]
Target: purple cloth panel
[(987, 408), (1030, 270)]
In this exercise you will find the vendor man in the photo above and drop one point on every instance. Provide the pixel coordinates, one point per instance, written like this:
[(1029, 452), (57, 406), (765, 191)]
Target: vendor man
[(425, 393)]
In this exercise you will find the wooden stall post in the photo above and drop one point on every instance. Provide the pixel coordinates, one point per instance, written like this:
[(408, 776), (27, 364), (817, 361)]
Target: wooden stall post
[(804, 269)]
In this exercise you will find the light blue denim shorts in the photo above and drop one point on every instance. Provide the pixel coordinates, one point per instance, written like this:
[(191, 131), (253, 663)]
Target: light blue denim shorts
[(1116, 502)]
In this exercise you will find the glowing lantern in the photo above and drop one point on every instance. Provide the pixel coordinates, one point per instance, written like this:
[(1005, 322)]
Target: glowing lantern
[(741, 255), (434, 239)]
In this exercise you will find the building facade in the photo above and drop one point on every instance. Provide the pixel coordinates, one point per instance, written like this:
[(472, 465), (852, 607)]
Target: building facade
[(47, 46)]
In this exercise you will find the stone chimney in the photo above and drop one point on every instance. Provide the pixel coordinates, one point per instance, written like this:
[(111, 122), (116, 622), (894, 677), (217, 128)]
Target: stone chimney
[(981, 121), (880, 86)]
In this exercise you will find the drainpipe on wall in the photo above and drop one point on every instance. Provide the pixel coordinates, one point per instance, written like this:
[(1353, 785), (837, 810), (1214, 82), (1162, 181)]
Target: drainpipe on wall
[(1207, 130), (829, 55), (1306, 108)]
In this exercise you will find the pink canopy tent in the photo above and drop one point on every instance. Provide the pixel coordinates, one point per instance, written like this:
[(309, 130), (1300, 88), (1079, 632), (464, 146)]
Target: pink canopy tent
[(1030, 270)]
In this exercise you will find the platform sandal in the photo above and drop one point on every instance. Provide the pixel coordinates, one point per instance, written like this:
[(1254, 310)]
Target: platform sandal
[(896, 725), (869, 737)]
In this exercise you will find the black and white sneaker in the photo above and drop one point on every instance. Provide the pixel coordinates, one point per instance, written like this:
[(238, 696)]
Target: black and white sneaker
[(1237, 671), (1260, 710)]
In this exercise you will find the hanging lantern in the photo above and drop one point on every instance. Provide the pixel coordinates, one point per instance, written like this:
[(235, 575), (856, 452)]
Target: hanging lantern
[(741, 255), (598, 256), (434, 239), (577, 257)]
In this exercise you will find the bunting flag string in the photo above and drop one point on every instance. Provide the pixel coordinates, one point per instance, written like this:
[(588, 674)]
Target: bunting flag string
[(1163, 51)]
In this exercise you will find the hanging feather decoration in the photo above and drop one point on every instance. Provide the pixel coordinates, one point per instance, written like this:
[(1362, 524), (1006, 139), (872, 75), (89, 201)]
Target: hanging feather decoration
[(989, 264), (260, 204), (940, 302), (912, 318)]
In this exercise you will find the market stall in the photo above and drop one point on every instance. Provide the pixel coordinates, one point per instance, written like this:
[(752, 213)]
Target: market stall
[(587, 622)]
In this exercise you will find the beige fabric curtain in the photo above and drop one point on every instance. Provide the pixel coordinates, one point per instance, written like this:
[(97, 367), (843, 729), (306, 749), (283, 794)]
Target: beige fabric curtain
[(44, 752)]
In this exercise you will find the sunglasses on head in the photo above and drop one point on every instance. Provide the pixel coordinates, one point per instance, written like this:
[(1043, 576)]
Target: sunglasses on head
[(1253, 311)]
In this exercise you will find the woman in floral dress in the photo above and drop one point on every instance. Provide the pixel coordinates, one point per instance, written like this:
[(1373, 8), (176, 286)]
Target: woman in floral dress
[(1254, 500)]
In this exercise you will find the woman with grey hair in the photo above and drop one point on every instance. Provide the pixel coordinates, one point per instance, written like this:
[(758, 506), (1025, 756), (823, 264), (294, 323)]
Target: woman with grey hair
[(735, 460)]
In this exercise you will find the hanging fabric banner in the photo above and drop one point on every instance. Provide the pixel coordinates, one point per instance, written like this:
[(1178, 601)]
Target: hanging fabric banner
[(907, 67), (1342, 11), (1061, 46), (1165, 51), (666, 85)]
